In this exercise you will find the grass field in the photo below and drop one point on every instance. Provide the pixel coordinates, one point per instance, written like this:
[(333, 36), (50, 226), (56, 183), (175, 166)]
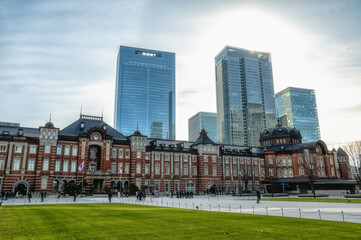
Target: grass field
[(330, 200), (125, 221)]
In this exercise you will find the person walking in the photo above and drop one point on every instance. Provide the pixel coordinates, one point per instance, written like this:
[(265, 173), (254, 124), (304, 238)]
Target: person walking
[(152, 198), (258, 195), (42, 196), (29, 196), (110, 195)]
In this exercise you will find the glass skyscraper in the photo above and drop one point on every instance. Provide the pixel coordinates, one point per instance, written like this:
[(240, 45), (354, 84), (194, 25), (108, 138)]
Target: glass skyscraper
[(245, 95), (297, 108), (145, 92), (203, 120)]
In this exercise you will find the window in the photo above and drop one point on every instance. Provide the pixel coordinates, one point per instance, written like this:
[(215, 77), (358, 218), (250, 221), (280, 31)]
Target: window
[(331, 161), (262, 172), (270, 171), (147, 168), (185, 170), (58, 150), (301, 171), (194, 159), (2, 163), (214, 159), (127, 153), (235, 161), (114, 153), (290, 173), (18, 149), (194, 170), (270, 160), (234, 169), (227, 170), (176, 169), (32, 150), (75, 151), (167, 157), (227, 160), (47, 149), (256, 172), (332, 171), (45, 164), (31, 164), (16, 164), (299, 159), (67, 150), (139, 154), (176, 158), (126, 168), (138, 168), (205, 170), (157, 168), (2, 148), (113, 167), (166, 168), (73, 166), (147, 156), (214, 170), (65, 166), (120, 153), (57, 165), (185, 158)]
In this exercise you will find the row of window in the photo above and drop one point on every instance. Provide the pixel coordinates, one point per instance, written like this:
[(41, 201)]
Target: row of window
[(59, 150), (18, 149), (120, 153)]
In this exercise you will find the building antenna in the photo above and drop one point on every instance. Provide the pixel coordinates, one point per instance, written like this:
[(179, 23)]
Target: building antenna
[(50, 118), (81, 109), (137, 126)]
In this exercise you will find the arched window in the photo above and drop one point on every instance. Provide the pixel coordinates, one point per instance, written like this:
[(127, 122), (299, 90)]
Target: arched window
[(227, 170), (301, 171), (290, 172)]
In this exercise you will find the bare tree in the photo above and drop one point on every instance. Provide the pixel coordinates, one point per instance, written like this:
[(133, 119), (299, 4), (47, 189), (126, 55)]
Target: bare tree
[(308, 164), (353, 150), (247, 175)]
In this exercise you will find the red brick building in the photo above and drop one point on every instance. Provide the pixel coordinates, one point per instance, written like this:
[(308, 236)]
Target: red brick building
[(45, 158)]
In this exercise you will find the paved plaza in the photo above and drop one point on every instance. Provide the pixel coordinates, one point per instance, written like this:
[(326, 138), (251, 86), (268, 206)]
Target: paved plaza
[(348, 212)]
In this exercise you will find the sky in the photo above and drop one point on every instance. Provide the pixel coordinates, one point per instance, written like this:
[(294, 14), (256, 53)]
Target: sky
[(56, 56)]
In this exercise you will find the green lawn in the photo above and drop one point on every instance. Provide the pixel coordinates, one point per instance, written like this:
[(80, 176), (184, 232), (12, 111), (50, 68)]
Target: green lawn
[(125, 221), (310, 199)]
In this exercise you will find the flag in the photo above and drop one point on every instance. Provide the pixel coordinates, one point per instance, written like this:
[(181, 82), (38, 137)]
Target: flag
[(81, 166), (121, 168)]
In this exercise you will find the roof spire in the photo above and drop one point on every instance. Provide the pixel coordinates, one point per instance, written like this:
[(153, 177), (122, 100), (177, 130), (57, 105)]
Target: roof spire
[(50, 118), (137, 126), (81, 109)]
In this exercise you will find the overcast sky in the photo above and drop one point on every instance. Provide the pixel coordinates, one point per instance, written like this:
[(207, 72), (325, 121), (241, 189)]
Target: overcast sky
[(58, 55)]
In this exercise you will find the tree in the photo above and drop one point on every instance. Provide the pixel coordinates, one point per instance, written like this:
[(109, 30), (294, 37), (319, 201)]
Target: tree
[(72, 188), (308, 164), (133, 189), (353, 150), (247, 175)]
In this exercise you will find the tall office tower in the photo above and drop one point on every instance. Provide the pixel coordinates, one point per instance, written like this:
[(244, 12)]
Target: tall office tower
[(145, 92), (245, 95), (297, 108), (202, 120)]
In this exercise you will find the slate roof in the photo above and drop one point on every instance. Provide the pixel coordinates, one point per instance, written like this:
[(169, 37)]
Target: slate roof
[(28, 132), (203, 139), (74, 128)]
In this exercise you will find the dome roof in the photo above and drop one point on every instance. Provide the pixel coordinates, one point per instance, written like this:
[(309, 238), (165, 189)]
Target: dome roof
[(280, 130), (137, 133), (49, 125)]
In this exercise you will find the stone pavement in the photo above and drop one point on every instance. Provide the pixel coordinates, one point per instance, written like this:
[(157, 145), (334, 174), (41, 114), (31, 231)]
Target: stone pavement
[(348, 212)]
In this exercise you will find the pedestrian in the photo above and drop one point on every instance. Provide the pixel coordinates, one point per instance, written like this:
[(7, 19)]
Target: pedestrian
[(258, 195), (2, 195), (140, 195), (171, 194), (58, 194), (42, 196), (144, 195), (110, 195), (29, 196), (151, 199), (137, 194), (74, 196)]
